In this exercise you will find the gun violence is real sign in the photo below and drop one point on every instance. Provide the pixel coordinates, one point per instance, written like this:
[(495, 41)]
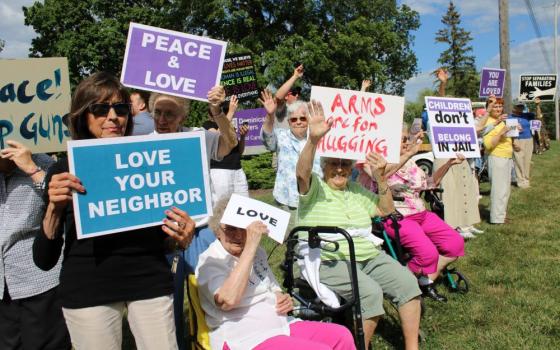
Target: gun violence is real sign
[(130, 181), (452, 127), (34, 100), (362, 122)]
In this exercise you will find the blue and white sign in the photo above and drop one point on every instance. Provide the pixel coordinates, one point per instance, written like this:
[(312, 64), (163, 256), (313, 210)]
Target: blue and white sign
[(131, 181)]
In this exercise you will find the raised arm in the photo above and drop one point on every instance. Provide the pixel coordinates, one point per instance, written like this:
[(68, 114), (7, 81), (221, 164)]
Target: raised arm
[(285, 88), (442, 170), (243, 130), (318, 128), (366, 83), (442, 76), (377, 165), (232, 290), (270, 106), (228, 137), (412, 149)]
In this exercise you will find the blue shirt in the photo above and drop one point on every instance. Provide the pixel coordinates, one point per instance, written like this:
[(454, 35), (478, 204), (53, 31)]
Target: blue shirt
[(288, 147), (143, 124), (524, 122)]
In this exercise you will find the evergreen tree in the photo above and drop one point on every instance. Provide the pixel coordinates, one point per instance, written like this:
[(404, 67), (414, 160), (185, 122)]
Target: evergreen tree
[(458, 59)]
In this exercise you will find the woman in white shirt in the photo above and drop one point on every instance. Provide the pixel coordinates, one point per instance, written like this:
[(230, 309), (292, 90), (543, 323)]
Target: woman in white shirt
[(244, 304)]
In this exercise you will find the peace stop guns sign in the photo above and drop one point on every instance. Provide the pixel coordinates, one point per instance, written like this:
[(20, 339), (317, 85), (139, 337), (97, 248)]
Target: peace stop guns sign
[(171, 62)]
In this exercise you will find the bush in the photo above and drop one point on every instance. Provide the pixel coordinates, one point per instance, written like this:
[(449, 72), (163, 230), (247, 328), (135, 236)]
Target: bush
[(259, 171)]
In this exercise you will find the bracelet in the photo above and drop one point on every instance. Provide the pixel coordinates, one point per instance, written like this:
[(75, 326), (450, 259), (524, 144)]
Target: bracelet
[(37, 169), (382, 192)]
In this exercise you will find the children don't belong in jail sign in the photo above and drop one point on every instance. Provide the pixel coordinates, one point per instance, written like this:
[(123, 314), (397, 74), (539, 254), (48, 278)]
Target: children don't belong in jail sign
[(131, 181)]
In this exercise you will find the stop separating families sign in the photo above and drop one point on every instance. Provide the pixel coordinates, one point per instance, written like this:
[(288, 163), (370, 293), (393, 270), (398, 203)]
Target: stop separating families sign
[(131, 181), (171, 62)]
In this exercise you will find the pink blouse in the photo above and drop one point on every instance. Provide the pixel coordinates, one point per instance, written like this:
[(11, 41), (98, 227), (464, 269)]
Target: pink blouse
[(407, 183)]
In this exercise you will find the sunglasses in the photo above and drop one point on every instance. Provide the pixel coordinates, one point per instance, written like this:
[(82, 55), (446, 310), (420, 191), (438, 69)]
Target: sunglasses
[(295, 119), (343, 163), (102, 109)]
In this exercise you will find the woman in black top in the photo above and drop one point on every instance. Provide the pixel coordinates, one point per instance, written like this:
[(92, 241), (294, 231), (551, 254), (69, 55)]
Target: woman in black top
[(227, 176), (101, 276)]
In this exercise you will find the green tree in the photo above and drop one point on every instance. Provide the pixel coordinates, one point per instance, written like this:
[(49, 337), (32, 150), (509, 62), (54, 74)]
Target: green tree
[(2, 43), (340, 43), (413, 109), (458, 58)]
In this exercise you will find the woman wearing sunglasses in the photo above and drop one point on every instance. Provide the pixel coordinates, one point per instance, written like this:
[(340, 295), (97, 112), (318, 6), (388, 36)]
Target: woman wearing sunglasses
[(287, 143), (103, 276)]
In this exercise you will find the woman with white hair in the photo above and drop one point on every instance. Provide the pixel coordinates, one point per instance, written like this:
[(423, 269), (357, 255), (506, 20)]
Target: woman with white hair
[(287, 143), (333, 200), (244, 304)]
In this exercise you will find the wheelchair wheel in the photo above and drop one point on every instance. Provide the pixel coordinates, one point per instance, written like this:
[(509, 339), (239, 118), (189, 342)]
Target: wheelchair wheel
[(456, 282)]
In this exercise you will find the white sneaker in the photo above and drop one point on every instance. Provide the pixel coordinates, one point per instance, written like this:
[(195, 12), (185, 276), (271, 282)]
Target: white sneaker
[(466, 234), (475, 230)]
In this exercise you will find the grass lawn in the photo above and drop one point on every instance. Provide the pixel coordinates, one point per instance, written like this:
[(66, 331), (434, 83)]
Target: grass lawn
[(514, 273)]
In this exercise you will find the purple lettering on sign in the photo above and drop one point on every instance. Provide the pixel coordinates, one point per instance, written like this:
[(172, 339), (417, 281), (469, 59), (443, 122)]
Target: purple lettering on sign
[(492, 82), (171, 62), (447, 105)]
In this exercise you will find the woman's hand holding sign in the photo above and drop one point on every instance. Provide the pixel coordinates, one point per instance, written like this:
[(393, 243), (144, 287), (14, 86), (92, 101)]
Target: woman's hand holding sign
[(216, 96), (179, 226)]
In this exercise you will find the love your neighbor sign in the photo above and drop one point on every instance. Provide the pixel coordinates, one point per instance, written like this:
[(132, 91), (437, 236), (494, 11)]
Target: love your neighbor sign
[(171, 62), (362, 122), (131, 181)]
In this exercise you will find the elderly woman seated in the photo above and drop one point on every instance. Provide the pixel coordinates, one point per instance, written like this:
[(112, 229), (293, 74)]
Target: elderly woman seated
[(244, 305), (334, 201), (432, 243)]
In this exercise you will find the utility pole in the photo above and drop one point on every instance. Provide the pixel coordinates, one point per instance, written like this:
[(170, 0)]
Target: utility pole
[(557, 118), (504, 52)]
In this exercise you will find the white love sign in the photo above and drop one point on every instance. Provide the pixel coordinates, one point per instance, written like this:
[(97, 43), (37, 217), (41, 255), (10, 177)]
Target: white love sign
[(242, 211)]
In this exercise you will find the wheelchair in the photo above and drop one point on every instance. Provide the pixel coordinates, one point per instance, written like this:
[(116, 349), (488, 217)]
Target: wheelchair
[(310, 306), (454, 280)]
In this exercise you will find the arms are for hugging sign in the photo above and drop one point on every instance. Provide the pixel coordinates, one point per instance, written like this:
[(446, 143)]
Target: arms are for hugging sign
[(131, 181)]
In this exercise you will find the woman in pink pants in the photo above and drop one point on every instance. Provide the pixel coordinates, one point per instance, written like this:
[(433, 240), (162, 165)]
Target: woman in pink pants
[(243, 303), (431, 242)]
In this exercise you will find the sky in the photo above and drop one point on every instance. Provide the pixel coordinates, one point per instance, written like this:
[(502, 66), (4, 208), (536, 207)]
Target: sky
[(480, 17)]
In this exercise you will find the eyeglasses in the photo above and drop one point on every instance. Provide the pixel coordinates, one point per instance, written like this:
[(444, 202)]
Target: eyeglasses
[(230, 229), (295, 119), (102, 109), (169, 117), (343, 163)]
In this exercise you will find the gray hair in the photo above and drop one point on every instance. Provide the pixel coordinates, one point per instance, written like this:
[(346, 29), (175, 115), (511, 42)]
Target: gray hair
[(217, 214), (184, 103), (293, 107)]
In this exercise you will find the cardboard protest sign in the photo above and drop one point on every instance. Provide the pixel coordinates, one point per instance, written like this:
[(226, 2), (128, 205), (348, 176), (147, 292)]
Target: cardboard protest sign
[(512, 124), (254, 118), (362, 122), (492, 81), (242, 211), (131, 181), (34, 101), (452, 127), (535, 125), (532, 86), (239, 77), (171, 62), (416, 126)]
